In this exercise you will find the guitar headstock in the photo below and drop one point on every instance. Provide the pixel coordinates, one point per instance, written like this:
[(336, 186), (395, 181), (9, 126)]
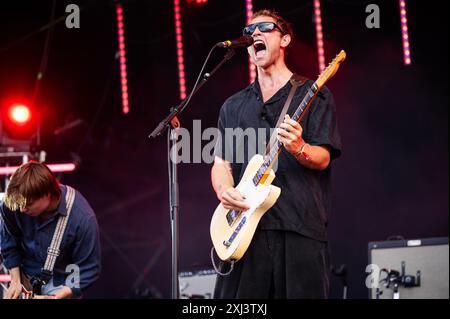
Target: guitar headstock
[(331, 69)]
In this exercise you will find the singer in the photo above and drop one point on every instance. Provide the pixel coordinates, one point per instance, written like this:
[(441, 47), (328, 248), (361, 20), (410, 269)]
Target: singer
[(288, 256)]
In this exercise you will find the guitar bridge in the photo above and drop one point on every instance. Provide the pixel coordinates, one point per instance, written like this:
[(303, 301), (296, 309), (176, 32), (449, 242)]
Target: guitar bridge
[(227, 243)]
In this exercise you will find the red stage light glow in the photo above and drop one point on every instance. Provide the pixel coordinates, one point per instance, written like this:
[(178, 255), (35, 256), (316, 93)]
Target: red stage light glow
[(56, 168), (405, 37), (19, 114), (319, 35), (122, 59), (180, 51), (249, 13)]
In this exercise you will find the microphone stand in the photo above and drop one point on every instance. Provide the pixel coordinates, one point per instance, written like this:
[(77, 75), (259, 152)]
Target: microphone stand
[(172, 124)]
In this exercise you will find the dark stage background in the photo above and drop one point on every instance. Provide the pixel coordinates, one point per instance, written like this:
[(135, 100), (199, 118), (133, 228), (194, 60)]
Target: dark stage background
[(392, 178)]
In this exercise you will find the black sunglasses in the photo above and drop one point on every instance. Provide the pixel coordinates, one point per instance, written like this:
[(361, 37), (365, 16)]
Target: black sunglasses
[(262, 26)]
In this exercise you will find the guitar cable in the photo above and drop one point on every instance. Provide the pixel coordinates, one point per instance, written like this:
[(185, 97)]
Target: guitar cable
[(216, 269)]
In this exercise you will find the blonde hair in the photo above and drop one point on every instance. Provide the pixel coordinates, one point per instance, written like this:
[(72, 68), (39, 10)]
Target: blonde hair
[(29, 182)]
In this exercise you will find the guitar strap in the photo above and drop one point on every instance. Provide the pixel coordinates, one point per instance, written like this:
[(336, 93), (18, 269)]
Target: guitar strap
[(296, 81), (53, 251)]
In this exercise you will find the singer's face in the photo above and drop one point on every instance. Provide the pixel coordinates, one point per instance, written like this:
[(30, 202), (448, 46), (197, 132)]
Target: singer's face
[(267, 47)]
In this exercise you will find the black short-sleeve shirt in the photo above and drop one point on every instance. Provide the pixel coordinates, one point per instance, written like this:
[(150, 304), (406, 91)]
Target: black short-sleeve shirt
[(304, 203)]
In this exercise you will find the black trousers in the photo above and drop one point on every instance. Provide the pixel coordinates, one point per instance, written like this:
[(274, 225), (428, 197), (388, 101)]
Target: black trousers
[(278, 264)]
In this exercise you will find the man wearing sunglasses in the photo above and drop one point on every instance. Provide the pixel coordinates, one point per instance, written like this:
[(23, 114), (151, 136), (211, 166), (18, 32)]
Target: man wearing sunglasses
[(288, 256)]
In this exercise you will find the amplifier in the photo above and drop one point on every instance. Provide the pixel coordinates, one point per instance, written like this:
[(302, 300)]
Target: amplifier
[(409, 269), (197, 284)]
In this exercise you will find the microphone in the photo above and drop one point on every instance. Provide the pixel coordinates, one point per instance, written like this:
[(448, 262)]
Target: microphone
[(243, 41)]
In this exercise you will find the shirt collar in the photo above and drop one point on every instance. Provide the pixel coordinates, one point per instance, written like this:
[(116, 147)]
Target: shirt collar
[(62, 207), (281, 93)]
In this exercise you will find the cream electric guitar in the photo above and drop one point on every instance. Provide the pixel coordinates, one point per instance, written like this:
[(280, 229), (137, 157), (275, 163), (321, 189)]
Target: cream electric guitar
[(232, 231)]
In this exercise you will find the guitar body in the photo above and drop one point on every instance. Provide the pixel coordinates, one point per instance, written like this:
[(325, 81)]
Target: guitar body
[(232, 236)]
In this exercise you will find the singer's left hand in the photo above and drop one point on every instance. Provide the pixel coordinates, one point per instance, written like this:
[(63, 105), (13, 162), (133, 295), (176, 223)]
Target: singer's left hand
[(290, 134)]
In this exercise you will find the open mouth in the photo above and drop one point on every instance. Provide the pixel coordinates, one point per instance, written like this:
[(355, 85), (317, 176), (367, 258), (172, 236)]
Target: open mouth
[(260, 48)]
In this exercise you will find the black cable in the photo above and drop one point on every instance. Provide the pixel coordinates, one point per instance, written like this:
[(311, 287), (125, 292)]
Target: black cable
[(45, 55), (49, 25)]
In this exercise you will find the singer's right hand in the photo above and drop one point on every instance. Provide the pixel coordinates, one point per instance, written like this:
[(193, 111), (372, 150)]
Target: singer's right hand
[(231, 198)]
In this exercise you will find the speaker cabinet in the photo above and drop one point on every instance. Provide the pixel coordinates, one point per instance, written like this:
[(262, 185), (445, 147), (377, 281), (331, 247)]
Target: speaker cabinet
[(409, 269), (197, 284)]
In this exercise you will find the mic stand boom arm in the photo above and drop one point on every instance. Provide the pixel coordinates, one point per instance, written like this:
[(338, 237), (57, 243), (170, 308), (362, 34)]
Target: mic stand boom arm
[(174, 111)]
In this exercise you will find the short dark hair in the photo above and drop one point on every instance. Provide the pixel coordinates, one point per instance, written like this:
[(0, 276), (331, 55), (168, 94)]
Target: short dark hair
[(280, 21), (29, 182)]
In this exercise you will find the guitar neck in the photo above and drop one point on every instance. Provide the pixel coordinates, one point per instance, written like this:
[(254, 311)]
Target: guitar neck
[(276, 148)]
